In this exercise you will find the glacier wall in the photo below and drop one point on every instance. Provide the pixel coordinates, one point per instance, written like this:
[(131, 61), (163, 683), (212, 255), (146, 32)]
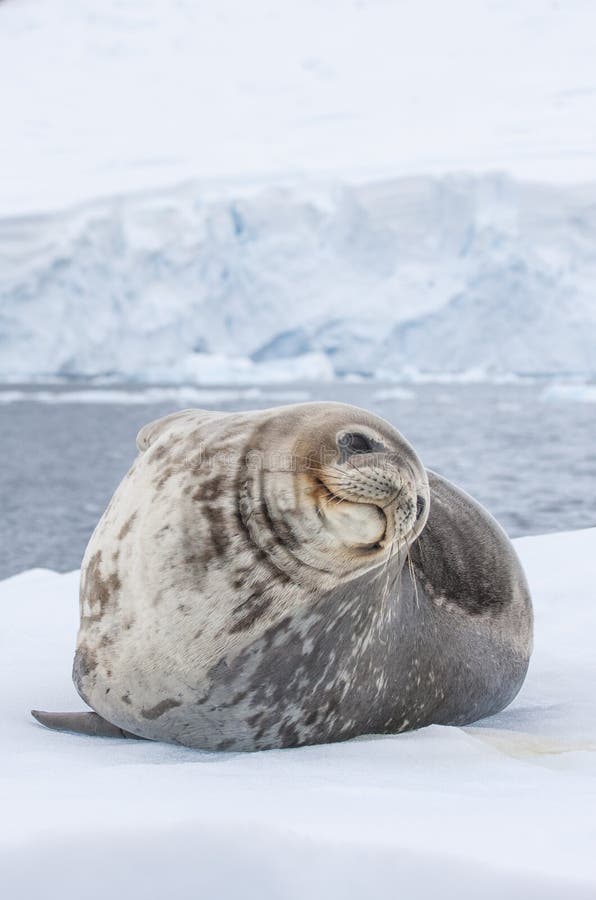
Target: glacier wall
[(412, 275)]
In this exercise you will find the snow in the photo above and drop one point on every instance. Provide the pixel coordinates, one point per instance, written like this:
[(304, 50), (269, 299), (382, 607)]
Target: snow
[(472, 277), (503, 808)]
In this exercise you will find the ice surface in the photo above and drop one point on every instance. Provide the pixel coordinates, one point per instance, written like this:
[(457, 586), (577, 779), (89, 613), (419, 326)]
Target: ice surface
[(504, 808)]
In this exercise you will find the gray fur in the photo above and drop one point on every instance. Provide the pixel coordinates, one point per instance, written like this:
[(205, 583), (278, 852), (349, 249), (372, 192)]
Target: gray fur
[(223, 606)]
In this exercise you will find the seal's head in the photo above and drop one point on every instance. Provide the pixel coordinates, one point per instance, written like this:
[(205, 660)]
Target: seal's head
[(325, 490)]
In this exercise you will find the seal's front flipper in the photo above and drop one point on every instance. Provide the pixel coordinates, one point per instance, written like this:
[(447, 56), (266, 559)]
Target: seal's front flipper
[(82, 723)]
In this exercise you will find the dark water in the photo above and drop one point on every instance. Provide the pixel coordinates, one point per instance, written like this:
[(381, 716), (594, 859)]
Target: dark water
[(531, 463)]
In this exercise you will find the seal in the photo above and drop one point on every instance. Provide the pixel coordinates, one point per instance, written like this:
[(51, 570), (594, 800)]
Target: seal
[(292, 576)]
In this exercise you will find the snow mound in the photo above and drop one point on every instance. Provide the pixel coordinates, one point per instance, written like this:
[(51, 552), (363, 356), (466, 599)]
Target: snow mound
[(432, 276), (502, 808)]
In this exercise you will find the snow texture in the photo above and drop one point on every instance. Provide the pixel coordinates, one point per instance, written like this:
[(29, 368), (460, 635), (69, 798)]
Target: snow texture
[(503, 808)]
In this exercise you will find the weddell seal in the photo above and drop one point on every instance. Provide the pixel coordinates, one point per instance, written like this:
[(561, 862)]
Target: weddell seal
[(292, 576)]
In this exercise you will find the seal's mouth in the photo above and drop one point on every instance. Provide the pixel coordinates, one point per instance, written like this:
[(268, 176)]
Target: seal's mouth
[(368, 508), (352, 520)]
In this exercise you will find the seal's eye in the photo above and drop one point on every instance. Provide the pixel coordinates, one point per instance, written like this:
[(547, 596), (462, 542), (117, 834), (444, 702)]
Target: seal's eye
[(354, 442)]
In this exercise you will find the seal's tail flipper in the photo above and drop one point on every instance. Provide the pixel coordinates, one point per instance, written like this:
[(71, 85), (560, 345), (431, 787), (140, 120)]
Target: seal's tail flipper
[(81, 723)]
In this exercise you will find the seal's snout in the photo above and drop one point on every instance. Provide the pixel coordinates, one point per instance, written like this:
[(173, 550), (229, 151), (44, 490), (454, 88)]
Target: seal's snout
[(366, 470), (369, 481)]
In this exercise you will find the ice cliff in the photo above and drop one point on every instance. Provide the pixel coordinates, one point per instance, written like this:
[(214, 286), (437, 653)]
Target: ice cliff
[(304, 279)]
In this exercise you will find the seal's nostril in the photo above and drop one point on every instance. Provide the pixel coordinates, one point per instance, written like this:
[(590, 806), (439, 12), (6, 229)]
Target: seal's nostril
[(420, 505)]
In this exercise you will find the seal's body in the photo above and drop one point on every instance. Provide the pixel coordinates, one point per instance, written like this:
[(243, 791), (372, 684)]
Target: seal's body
[(293, 576)]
